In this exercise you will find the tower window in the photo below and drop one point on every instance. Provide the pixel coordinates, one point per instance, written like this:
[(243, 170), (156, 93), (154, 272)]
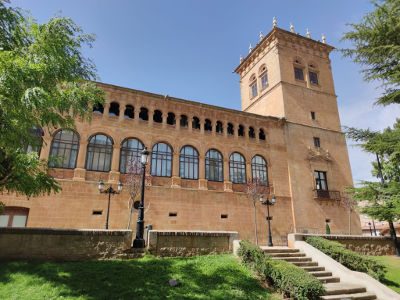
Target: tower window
[(196, 123), (219, 127), (144, 114), (261, 134), (313, 115), (207, 125), (171, 119), (317, 142), (252, 134), (313, 77), (253, 88), (321, 182), (241, 130), (129, 112), (264, 80), (298, 73)]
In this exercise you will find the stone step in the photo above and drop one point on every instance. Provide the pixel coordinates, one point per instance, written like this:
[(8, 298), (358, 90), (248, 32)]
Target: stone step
[(321, 273), (343, 289), (278, 249), (356, 296), (328, 279), (292, 259), (305, 263), (287, 254), (312, 269)]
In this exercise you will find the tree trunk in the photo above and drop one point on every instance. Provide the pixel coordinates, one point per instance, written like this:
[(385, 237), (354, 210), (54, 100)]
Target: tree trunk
[(394, 237), (255, 222)]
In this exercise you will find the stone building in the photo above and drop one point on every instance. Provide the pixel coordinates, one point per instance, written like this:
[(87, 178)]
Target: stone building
[(288, 134)]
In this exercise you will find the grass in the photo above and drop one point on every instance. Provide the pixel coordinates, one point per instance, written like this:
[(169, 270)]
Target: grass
[(202, 277), (392, 277)]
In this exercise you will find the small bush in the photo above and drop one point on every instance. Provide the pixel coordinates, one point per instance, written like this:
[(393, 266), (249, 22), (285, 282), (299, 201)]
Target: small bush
[(348, 258), (286, 277)]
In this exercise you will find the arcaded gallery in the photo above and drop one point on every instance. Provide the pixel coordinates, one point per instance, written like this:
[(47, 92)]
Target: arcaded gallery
[(287, 135)]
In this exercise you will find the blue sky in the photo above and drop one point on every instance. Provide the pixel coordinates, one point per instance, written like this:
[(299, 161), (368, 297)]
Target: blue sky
[(188, 48)]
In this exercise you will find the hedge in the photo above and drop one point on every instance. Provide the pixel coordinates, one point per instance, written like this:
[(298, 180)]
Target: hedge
[(286, 277), (348, 258)]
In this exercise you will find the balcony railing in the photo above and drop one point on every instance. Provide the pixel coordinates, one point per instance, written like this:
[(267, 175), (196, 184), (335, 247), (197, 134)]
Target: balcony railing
[(326, 194)]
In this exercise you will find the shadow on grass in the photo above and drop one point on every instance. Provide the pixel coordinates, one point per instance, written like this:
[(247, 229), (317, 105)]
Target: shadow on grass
[(147, 278)]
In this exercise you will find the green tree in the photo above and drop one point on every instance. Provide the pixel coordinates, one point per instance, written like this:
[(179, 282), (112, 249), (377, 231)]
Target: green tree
[(45, 83), (376, 46), (382, 198)]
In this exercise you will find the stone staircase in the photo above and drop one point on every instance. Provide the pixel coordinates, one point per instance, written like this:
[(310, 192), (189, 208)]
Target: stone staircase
[(335, 289)]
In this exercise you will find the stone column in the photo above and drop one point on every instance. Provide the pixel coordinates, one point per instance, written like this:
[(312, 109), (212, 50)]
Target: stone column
[(178, 120), (225, 126), (202, 173), (202, 125), (80, 171), (106, 110), (176, 180), (164, 119), (190, 123), (150, 113), (121, 116), (248, 169), (227, 182), (113, 176)]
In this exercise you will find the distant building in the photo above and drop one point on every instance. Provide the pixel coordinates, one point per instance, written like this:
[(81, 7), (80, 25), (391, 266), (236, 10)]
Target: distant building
[(288, 134)]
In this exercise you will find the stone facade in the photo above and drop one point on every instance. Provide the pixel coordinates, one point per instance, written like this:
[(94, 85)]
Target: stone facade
[(276, 125)]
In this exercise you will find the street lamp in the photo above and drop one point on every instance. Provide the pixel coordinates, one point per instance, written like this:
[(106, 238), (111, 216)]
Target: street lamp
[(268, 203), (139, 240), (110, 191), (370, 228)]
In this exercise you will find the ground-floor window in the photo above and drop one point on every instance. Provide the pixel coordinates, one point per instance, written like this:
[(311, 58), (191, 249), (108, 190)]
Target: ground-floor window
[(14, 217)]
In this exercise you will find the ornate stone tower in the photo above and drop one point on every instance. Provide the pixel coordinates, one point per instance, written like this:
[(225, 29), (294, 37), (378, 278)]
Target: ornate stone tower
[(289, 76)]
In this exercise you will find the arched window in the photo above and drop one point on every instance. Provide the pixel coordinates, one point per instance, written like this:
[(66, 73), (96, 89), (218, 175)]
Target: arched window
[(261, 134), (35, 144), (161, 160), (130, 155), (144, 114), (196, 123), (259, 169), (253, 86), (189, 163), (99, 153), (207, 125), (64, 149), (184, 121), (237, 168), (114, 109), (171, 119), (241, 130), (214, 166), (129, 112), (263, 75), (252, 134), (98, 108), (219, 127), (231, 130), (157, 117)]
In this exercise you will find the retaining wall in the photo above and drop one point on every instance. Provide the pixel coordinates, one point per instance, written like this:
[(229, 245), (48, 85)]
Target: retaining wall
[(63, 244), (188, 243)]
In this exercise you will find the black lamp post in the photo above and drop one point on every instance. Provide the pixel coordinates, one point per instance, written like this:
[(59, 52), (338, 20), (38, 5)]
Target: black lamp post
[(139, 240), (370, 228), (269, 218), (110, 191)]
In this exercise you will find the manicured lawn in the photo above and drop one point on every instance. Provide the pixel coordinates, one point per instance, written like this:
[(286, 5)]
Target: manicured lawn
[(392, 278), (202, 277)]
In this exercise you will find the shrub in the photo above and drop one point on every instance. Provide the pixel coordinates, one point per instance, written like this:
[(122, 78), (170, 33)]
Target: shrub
[(285, 276), (348, 258)]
